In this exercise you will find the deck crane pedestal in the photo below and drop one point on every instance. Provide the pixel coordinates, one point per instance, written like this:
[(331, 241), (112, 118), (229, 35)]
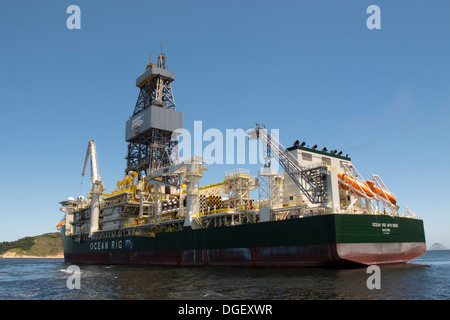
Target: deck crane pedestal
[(97, 186), (190, 173)]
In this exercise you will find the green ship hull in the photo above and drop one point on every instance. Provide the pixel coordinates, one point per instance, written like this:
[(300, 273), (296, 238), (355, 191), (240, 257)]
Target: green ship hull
[(336, 240)]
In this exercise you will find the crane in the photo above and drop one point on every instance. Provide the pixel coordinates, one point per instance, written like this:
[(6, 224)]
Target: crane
[(310, 181), (97, 186)]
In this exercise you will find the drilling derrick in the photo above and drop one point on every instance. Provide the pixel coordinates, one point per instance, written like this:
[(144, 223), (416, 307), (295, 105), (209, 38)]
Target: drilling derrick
[(149, 130)]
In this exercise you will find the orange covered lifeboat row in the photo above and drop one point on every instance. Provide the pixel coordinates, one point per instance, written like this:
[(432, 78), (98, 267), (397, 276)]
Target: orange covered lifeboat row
[(361, 189), (386, 195)]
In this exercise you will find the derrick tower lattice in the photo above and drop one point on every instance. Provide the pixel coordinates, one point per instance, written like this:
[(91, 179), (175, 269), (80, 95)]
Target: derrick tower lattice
[(149, 130)]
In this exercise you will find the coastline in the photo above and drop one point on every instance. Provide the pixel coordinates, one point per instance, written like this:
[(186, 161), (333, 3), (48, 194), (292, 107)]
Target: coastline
[(13, 255)]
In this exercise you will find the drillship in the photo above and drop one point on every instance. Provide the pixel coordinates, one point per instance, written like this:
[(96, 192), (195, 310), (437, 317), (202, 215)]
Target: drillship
[(319, 213)]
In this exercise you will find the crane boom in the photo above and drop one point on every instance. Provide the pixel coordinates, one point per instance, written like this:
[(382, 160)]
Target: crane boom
[(97, 186), (310, 181), (94, 164)]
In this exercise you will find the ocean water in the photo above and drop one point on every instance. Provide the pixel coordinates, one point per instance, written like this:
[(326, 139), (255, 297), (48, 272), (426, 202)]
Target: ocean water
[(427, 277)]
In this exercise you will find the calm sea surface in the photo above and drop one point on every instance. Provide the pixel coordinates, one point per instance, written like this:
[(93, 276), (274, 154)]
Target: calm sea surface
[(427, 277)]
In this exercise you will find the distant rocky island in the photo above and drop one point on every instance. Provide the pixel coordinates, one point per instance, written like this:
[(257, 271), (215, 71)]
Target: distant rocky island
[(437, 246), (48, 245)]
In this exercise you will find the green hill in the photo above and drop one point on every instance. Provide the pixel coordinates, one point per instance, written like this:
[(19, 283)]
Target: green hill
[(47, 245)]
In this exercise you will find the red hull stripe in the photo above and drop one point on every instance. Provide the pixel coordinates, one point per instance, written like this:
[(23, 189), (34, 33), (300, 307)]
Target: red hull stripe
[(381, 253), (325, 255)]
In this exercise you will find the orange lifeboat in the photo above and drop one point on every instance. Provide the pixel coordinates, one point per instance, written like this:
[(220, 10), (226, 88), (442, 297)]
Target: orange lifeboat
[(386, 195), (60, 223), (360, 189)]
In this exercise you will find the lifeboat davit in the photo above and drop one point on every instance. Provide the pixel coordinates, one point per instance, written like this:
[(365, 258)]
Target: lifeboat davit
[(359, 188), (386, 195)]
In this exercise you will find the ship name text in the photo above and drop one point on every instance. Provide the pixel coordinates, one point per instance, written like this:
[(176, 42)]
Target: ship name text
[(106, 245), (385, 227)]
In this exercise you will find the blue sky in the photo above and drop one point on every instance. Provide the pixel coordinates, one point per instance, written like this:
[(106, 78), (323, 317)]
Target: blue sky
[(311, 69)]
